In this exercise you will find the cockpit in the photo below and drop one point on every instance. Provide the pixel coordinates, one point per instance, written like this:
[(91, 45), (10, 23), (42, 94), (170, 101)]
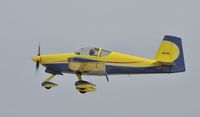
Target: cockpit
[(93, 51)]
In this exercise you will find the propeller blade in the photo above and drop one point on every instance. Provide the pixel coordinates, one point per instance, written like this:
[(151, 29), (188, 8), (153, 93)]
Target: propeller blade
[(37, 63), (39, 50)]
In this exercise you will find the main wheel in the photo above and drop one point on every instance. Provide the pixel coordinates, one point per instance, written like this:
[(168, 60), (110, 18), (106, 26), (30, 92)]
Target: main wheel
[(83, 92), (48, 87)]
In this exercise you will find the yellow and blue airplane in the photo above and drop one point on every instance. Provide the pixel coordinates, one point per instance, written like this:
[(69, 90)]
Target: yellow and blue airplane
[(101, 62)]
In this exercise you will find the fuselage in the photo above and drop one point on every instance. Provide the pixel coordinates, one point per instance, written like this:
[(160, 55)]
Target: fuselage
[(115, 63), (97, 61)]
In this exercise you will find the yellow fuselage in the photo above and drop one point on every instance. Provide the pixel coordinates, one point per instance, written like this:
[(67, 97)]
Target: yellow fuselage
[(114, 62)]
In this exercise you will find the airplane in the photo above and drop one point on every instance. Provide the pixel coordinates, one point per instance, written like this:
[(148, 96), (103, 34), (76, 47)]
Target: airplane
[(101, 62)]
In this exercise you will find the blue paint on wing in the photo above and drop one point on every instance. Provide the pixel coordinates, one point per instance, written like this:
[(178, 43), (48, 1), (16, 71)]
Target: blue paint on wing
[(61, 67)]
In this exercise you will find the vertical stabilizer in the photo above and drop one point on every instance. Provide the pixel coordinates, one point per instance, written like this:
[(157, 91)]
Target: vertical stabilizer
[(171, 52)]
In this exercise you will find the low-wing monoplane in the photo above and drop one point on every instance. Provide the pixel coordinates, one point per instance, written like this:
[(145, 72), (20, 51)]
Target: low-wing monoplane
[(101, 62)]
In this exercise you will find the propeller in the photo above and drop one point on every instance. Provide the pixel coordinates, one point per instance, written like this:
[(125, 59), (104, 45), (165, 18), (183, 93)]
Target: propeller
[(37, 63), (37, 59)]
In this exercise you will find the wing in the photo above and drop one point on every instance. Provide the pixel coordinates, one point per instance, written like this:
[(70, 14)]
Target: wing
[(87, 66)]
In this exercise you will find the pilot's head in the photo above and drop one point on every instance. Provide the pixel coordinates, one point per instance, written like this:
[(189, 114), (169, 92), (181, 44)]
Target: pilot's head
[(91, 52)]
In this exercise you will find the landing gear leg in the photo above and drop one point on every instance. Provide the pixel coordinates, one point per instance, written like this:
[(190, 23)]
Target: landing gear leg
[(47, 84), (78, 74)]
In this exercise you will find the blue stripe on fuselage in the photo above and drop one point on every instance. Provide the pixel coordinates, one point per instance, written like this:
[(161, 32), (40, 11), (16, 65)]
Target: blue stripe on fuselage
[(63, 67), (135, 70)]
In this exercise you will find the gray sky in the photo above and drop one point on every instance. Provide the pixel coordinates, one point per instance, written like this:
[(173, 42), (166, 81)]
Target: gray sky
[(130, 26)]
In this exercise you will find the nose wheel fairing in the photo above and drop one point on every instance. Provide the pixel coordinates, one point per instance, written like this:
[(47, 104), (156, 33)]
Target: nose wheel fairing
[(47, 84)]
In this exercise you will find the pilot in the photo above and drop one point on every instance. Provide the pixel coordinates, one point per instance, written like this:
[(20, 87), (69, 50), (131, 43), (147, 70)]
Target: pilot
[(91, 52)]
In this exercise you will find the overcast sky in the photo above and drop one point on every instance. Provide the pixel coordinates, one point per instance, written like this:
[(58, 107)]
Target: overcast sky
[(130, 26)]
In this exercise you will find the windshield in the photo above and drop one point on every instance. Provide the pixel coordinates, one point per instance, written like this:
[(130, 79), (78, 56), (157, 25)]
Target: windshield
[(92, 51)]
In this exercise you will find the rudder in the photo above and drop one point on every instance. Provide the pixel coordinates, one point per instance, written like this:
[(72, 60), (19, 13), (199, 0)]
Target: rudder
[(171, 53)]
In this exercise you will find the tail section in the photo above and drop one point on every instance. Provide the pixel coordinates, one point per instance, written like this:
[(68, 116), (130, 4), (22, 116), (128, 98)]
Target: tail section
[(171, 53)]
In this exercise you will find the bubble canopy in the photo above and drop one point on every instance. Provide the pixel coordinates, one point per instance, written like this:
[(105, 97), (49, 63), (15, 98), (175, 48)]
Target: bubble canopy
[(92, 51)]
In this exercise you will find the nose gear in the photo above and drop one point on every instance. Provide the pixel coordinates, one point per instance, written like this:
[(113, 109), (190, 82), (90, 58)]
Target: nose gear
[(47, 84)]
